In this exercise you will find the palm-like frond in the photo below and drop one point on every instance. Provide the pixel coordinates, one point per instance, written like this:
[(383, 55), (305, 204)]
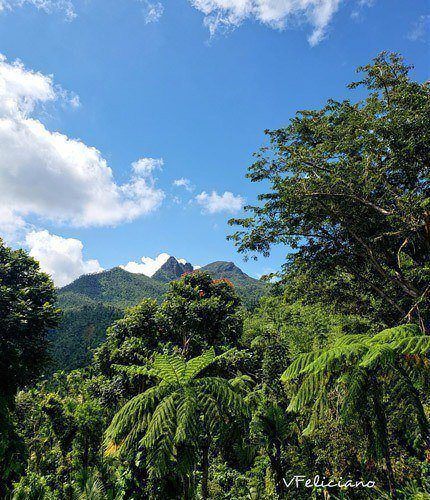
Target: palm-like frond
[(169, 419), (312, 385), (163, 421), (133, 419), (223, 393), (349, 362), (196, 365), (297, 366), (187, 416), (356, 382), (169, 368)]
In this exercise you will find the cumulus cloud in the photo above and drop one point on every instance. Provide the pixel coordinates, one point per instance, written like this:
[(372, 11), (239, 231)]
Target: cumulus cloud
[(215, 203), (60, 257), (145, 166), (185, 183), (54, 177), (47, 6), (278, 14), (11, 225), (147, 265)]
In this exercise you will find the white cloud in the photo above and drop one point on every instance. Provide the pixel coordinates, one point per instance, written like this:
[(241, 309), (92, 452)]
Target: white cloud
[(214, 203), (185, 183), (147, 265), (145, 166), (54, 177), (60, 257), (152, 11), (47, 6), (11, 225), (420, 29), (278, 14)]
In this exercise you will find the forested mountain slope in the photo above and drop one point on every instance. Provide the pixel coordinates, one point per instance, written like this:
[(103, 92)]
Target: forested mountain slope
[(93, 301)]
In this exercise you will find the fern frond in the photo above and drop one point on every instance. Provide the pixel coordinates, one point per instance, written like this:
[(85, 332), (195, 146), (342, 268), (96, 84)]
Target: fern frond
[(409, 400), (347, 340), (187, 417), (396, 333), (198, 364), (413, 345), (299, 364), (242, 383), (162, 423), (135, 413), (310, 386), (212, 413), (378, 354), (224, 394), (356, 388), (317, 414), (169, 368), (330, 357)]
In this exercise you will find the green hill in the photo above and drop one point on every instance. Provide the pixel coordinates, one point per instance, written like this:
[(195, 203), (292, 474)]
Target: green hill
[(115, 287), (93, 301), (80, 331)]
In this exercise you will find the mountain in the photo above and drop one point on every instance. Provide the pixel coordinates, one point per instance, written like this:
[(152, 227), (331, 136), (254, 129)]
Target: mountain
[(222, 269), (115, 287), (93, 301), (249, 289), (171, 270)]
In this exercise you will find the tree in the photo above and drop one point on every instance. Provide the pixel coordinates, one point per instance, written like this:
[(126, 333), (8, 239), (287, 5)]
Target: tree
[(365, 368), (199, 312), (177, 419), (349, 193), (27, 312)]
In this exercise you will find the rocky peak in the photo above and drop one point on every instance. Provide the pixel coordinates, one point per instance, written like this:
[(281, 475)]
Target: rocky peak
[(171, 270)]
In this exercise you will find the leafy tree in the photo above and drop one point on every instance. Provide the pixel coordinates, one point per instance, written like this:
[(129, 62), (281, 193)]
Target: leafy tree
[(131, 339), (199, 312), (27, 312), (177, 419), (365, 368), (349, 192)]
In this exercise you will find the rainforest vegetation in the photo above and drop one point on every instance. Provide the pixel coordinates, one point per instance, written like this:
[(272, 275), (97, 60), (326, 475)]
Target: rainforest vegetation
[(196, 396)]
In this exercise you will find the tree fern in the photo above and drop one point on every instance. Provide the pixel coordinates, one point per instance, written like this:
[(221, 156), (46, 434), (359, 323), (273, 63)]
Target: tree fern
[(170, 420), (358, 367)]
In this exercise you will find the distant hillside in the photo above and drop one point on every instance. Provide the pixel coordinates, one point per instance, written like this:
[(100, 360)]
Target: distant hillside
[(93, 301), (115, 287), (81, 330), (249, 289)]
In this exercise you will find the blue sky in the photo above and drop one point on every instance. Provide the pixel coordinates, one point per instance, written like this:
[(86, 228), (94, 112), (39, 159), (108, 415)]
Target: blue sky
[(170, 89)]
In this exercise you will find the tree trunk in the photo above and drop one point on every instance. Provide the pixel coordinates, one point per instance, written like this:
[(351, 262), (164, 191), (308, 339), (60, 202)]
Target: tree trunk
[(390, 475), (278, 472), (381, 429)]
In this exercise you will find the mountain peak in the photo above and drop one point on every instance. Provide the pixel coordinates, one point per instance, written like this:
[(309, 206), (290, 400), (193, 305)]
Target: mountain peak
[(222, 266), (172, 269)]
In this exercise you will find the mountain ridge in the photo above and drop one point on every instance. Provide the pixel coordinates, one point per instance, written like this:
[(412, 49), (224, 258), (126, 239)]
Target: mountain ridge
[(92, 302)]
